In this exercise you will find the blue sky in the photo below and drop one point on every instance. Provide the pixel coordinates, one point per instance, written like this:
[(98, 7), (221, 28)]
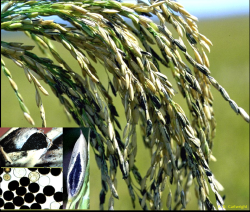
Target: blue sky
[(216, 8), (209, 9)]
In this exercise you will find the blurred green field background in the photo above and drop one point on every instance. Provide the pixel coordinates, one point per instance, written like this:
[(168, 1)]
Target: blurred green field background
[(229, 60)]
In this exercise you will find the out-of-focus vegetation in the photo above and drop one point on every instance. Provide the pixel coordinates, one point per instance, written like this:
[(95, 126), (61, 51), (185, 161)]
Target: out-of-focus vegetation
[(229, 59)]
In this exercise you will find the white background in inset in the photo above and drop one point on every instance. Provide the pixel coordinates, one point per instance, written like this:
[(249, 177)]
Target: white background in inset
[(55, 181)]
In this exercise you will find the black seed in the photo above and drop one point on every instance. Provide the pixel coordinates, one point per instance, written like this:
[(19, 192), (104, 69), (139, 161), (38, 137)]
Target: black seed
[(44, 171), (152, 187), (162, 29), (208, 173), (24, 207), (114, 161), (166, 95), (166, 133), (159, 177), (48, 190), (183, 154), (35, 206), (92, 134), (234, 106), (24, 181), (155, 101), (171, 177), (55, 171), (18, 201), (190, 59), (32, 169), (196, 109), (104, 186), (181, 89), (102, 197), (147, 54), (74, 176), (202, 68), (34, 187), (8, 195), (108, 23), (181, 120), (189, 79), (193, 173), (188, 69), (149, 127), (167, 118), (182, 48), (1, 202), (174, 61), (118, 138), (21, 191), (157, 57), (137, 175), (29, 197), (36, 141), (13, 185), (143, 102), (219, 199), (40, 198), (9, 205), (191, 38), (124, 170), (58, 196)]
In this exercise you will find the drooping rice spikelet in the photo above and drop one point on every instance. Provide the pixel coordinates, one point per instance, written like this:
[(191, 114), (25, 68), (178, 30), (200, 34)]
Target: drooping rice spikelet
[(99, 33)]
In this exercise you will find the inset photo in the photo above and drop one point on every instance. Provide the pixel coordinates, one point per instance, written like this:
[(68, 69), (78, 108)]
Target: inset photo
[(31, 147), (31, 188), (76, 168)]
